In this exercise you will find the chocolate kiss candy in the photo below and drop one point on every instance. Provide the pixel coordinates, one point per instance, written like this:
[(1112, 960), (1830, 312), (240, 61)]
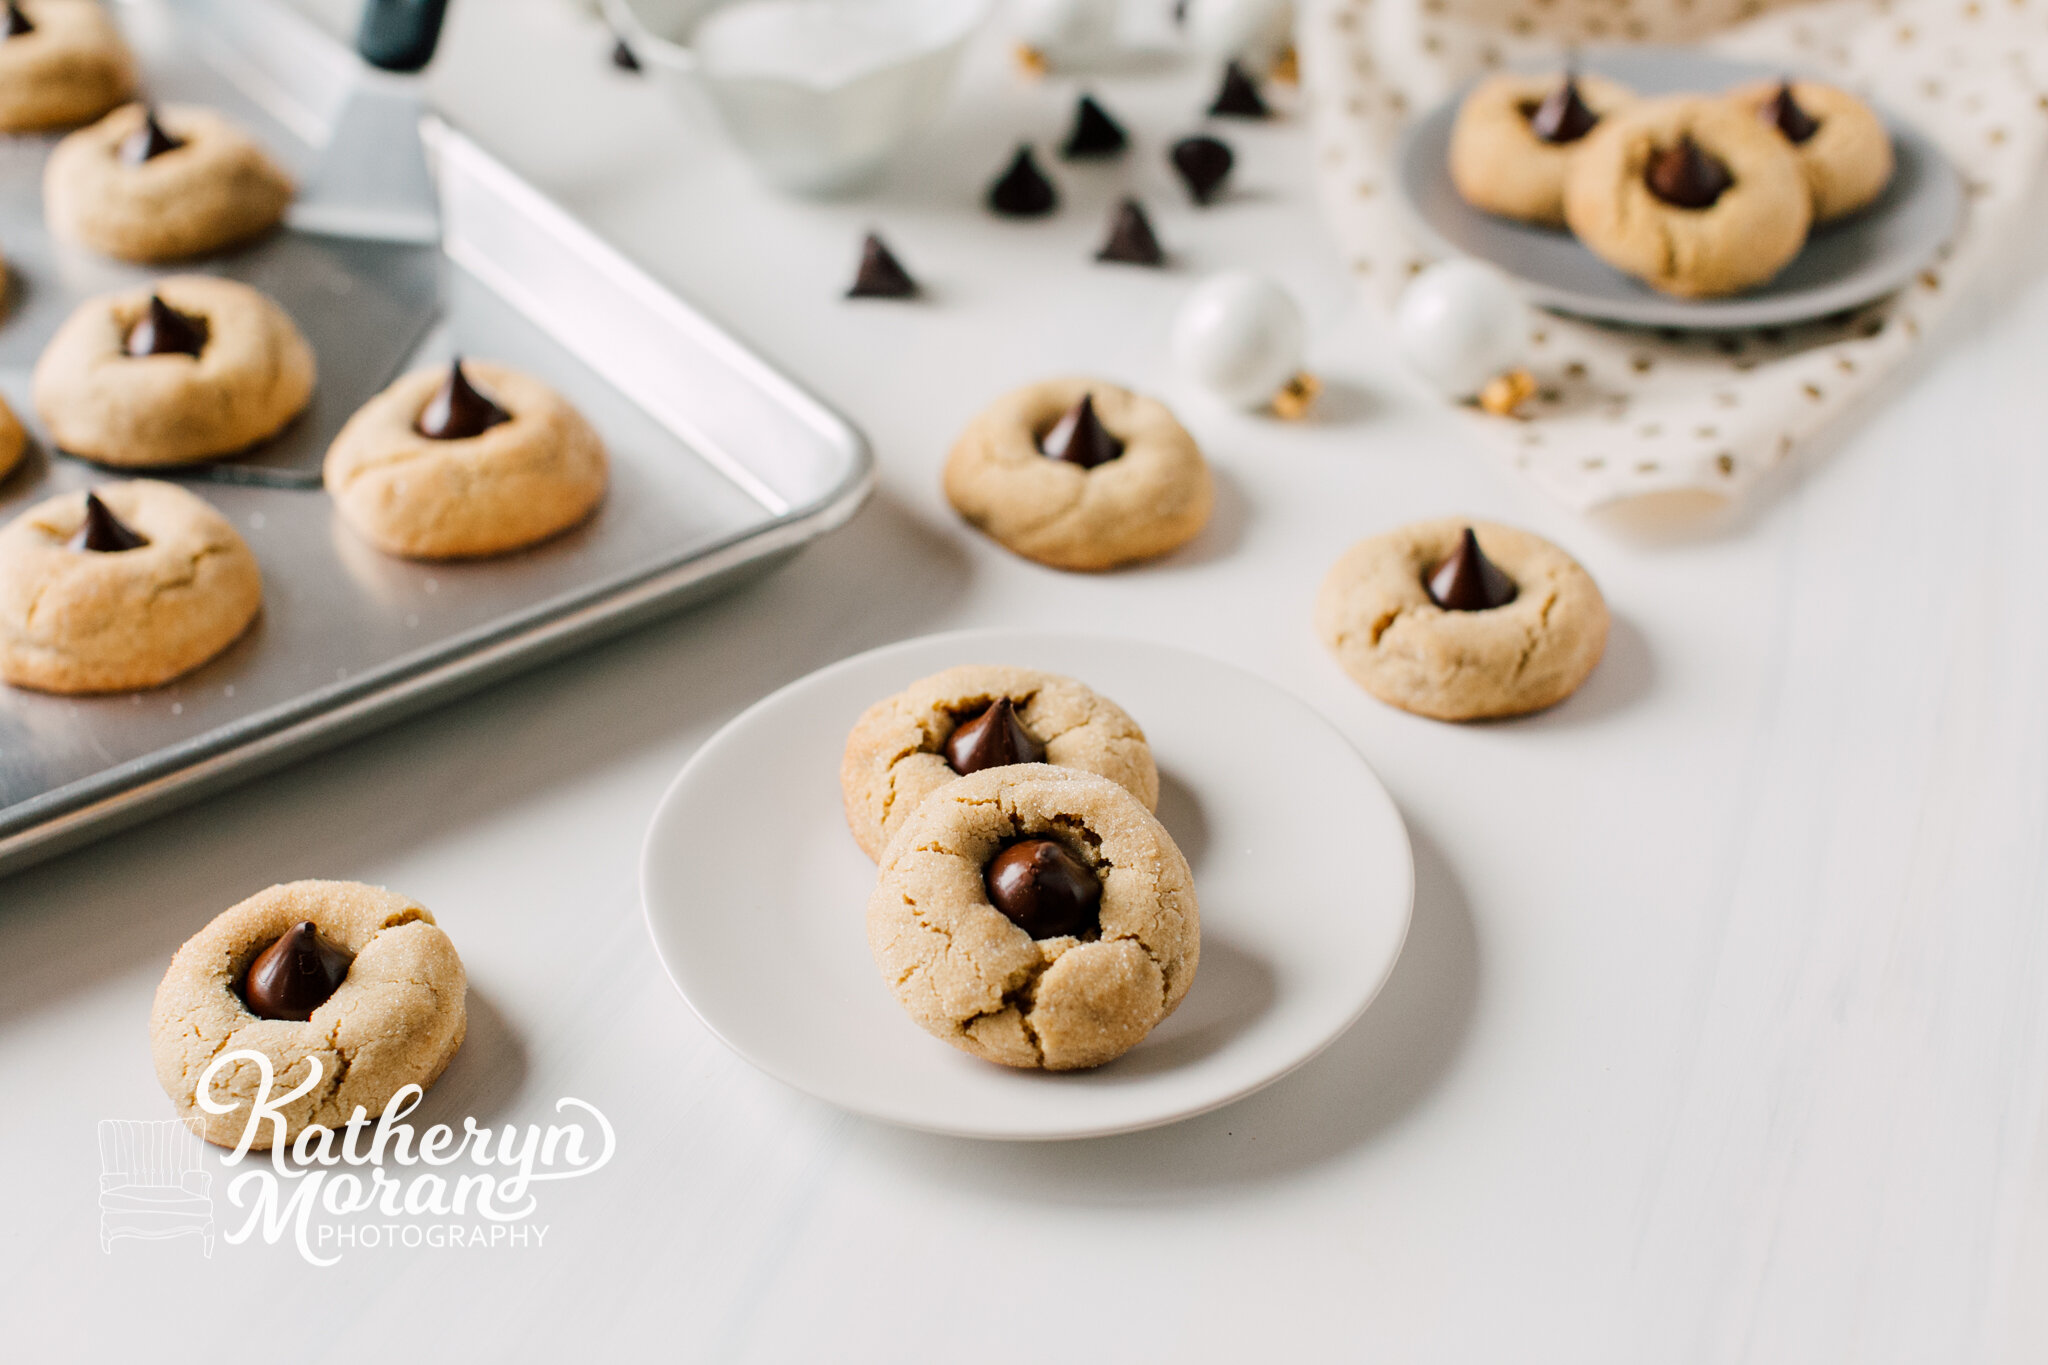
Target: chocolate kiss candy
[(17, 22), (163, 330), (623, 58), (1022, 191), (1784, 112), (1563, 116), (1043, 889), (1685, 176), (881, 275), (1080, 438), (1468, 580), (103, 532), (1095, 132), (295, 975), (1239, 97), (149, 141), (1204, 163), (993, 739), (1130, 238), (457, 411)]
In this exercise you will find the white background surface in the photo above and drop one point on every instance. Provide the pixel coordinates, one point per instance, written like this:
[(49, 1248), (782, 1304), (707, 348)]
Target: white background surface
[(1720, 1035)]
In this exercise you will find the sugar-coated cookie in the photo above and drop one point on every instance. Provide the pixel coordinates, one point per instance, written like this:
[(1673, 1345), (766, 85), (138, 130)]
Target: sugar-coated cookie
[(904, 747), (1841, 143), (1690, 195), (1524, 627), (395, 1016), (1123, 482), (84, 607), (1515, 135), (159, 185), (70, 65), (510, 464), (222, 367), (1097, 939)]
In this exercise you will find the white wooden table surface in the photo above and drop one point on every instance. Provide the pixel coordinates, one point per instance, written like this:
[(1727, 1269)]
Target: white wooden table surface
[(1721, 1034)]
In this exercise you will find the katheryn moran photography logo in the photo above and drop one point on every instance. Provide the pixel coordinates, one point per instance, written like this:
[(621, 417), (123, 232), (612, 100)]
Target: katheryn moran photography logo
[(377, 1182)]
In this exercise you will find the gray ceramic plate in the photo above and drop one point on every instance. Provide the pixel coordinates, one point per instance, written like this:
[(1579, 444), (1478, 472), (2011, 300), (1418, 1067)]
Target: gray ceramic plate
[(1842, 266)]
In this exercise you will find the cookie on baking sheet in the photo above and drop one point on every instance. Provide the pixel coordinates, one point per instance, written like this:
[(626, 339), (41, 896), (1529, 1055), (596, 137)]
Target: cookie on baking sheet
[(156, 185), (1515, 135), (190, 368), (13, 436), (1841, 143), (355, 977), (1035, 916), (123, 588), (1691, 195), (1462, 620), (1080, 474), (975, 717), (438, 467), (62, 62)]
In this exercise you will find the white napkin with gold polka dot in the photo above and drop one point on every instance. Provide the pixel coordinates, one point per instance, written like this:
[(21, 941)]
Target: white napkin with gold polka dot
[(1624, 413)]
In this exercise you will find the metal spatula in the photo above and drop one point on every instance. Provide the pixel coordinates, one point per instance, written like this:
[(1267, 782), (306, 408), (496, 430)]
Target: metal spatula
[(372, 180)]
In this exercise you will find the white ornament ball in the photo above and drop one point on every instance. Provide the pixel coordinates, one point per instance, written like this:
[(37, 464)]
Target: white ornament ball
[(1066, 28), (1240, 336), (1253, 31), (1461, 323)]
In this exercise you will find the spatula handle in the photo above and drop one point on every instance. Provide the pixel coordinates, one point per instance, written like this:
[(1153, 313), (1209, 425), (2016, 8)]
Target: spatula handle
[(399, 35)]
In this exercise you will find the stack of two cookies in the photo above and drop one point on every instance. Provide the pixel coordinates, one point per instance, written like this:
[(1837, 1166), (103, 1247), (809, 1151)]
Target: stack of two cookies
[(1696, 195), (1030, 909)]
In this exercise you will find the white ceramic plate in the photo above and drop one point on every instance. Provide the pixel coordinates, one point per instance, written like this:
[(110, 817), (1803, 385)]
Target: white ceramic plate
[(1843, 265), (756, 895)]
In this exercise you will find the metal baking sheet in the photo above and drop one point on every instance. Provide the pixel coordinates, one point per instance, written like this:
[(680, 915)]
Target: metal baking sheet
[(721, 467)]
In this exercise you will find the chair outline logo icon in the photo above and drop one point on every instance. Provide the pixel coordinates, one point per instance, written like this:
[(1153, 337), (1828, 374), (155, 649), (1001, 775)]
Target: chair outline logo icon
[(153, 1182)]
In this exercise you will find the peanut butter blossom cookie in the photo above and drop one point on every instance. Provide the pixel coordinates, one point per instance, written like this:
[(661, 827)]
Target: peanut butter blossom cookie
[(62, 62), (189, 369), (979, 716), (1080, 474), (354, 979), (465, 460), (157, 184), (1841, 143), (123, 588), (13, 436), (1515, 136), (1037, 917), (1462, 620), (1693, 196)]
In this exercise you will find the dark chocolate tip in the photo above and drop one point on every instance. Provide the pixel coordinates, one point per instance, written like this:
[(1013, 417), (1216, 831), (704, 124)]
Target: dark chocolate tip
[(1022, 191), (881, 275), (104, 533), (1204, 164), (1080, 438), (1468, 580), (458, 410), (17, 22), (1095, 133), (1131, 240), (148, 142), (296, 975), (1239, 96), (163, 330), (1686, 177), (1785, 113), (623, 58), (1043, 888), (1563, 116), (993, 739)]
